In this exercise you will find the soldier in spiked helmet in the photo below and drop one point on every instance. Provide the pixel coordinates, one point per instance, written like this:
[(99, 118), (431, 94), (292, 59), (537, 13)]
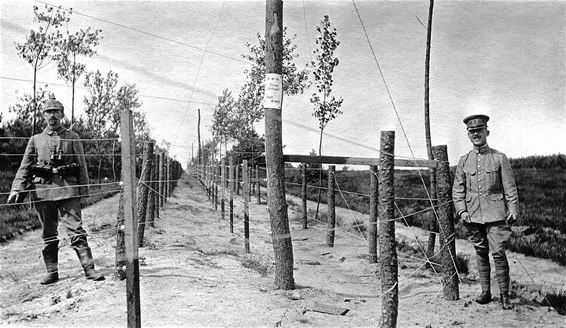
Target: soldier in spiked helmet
[(53, 172)]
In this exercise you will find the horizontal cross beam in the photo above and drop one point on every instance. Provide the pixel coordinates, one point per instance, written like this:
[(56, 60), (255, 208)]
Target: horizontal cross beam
[(339, 160)]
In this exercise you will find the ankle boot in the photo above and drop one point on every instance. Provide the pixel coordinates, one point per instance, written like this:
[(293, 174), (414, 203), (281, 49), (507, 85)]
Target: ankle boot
[(50, 258), (85, 257), (505, 302), (484, 298)]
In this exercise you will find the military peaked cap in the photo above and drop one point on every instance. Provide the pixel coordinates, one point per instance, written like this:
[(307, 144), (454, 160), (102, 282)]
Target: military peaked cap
[(477, 121)]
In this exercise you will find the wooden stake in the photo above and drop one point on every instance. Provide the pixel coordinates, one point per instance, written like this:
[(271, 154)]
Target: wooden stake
[(258, 184), (223, 186), (143, 190), (331, 203), (373, 201), (387, 251), (304, 194), (446, 224), (231, 182), (131, 227)]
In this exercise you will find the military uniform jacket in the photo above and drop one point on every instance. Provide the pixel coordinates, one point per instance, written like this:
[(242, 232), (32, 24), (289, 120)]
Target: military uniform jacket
[(484, 186), (39, 150)]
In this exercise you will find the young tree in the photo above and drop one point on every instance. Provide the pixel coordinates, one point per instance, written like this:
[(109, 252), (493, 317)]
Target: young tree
[(24, 108), (103, 103), (224, 120), (39, 45), (295, 80), (81, 43), (326, 105)]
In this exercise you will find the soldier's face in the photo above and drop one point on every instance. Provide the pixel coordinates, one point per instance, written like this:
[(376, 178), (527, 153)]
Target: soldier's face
[(53, 117), (478, 137)]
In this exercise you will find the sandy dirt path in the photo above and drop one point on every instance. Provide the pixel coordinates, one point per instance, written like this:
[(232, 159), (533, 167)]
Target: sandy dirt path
[(194, 273)]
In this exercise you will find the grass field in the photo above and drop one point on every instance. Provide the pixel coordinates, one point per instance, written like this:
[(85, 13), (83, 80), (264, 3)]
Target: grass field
[(16, 219), (540, 230)]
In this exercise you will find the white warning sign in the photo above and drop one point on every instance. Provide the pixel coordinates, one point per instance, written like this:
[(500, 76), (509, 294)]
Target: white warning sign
[(273, 95)]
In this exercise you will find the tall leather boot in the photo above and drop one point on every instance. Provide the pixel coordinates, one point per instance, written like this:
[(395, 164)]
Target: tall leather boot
[(50, 257), (502, 274), (484, 270), (85, 257)]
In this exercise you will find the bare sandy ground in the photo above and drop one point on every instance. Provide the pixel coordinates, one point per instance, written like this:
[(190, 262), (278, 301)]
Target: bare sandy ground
[(192, 274)]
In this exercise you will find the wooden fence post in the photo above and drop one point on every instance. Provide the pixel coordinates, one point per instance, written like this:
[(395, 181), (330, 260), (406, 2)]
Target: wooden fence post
[(120, 261), (304, 194), (231, 182), (166, 171), (223, 186), (150, 214), (246, 197), (373, 201), (161, 178), (331, 212), (131, 227), (155, 178), (446, 224), (387, 251), (237, 179), (258, 184), (215, 184), (143, 190)]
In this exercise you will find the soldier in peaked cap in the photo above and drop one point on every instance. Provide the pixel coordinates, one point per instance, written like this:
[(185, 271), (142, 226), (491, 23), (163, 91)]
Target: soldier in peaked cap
[(485, 198), (54, 166)]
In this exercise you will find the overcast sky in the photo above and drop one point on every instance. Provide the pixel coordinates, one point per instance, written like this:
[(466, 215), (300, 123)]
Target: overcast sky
[(505, 59)]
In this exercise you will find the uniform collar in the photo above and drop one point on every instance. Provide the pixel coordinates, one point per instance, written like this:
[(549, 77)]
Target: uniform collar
[(57, 131), (481, 150)]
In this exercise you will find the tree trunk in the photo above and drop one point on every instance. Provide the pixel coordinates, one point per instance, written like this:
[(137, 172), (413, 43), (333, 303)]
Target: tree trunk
[(319, 177), (280, 232)]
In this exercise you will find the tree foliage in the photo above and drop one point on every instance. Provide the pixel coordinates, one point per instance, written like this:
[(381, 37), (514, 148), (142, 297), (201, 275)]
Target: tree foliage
[(295, 80), (40, 44), (23, 108), (225, 118), (326, 105), (80, 43)]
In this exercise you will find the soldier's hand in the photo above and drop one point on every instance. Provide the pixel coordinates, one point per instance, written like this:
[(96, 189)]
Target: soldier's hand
[(465, 217), (12, 197), (511, 218)]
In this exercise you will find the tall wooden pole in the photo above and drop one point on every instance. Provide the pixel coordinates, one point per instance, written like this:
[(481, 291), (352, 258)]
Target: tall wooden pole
[(387, 251), (432, 224), (446, 225), (276, 202), (131, 226)]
